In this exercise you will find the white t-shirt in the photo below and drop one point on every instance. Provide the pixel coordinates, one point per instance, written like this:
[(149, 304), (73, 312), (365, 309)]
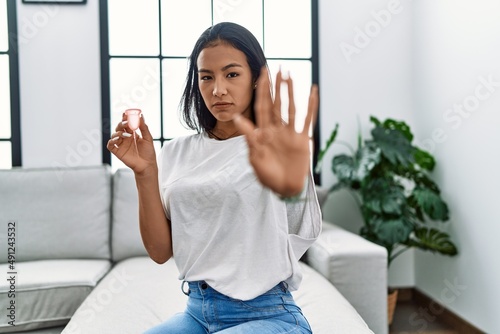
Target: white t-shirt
[(227, 228)]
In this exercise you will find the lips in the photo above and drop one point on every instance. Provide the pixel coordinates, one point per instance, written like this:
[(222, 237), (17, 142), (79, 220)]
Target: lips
[(222, 105)]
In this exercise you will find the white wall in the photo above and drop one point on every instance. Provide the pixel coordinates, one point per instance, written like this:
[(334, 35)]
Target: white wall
[(457, 48), (428, 57), (59, 64), (432, 55), (365, 69)]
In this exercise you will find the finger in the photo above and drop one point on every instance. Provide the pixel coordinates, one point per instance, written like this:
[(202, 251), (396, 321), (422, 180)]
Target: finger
[(263, 100), (145, 129), (121, 134), (116, 138), (312, 109), (122, 126), (244, 125), (113, 145), (291, 103), (277, 98)]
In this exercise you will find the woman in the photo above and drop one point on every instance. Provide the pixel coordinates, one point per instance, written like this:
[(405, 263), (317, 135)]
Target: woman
[(223, 202)]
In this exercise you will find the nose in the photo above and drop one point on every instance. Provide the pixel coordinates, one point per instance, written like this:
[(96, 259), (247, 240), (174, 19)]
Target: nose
[(219, 89)]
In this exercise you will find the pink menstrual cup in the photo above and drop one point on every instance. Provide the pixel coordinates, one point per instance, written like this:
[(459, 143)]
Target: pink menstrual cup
[(133, 118)]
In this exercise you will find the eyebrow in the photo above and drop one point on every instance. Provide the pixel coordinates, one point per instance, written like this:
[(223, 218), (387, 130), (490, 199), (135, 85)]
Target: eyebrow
[(228, 66)]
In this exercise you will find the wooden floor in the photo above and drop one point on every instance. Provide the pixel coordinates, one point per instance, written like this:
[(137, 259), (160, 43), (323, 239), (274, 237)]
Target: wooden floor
[(416, 312), (410, 318)]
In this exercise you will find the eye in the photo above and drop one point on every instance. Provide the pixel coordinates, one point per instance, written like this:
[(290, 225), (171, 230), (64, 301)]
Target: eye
[(205, 77), (232, 75)]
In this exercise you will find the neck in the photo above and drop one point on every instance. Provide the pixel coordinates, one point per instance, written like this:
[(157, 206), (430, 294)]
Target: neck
[(222, 135)]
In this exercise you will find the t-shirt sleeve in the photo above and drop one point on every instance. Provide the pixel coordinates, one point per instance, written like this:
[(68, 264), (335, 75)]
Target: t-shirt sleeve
[(304, 219)]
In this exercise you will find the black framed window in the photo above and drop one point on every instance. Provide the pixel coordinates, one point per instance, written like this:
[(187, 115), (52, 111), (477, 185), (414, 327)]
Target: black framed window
[(10, 143), (145, 45)]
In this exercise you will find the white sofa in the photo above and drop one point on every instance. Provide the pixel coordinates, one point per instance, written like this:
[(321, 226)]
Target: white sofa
[(80, 266)]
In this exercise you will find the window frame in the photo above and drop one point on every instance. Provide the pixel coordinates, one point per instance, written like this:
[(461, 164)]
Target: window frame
[(15, 112), (105, 80)]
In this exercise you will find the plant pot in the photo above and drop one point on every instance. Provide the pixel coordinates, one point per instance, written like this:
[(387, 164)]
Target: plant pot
[(392, 298)]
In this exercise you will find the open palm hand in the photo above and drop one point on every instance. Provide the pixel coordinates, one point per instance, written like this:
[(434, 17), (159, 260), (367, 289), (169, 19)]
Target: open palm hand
[(278, 153)]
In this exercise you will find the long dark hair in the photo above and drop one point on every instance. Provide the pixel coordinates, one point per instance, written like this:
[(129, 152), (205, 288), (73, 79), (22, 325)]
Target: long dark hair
[(194, 111)]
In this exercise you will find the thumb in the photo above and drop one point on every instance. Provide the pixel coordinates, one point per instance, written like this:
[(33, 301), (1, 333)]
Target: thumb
[(145, 129), (243, 124)]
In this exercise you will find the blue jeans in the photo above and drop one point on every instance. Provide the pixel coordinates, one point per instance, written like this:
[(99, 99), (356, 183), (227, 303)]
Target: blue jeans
[(209, 311)]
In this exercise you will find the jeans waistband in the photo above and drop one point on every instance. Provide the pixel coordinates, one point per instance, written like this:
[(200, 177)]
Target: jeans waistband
[(199, 286)]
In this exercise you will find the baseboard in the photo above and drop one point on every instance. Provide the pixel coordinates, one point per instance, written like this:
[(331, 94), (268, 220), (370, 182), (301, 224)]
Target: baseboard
[(440, 311)]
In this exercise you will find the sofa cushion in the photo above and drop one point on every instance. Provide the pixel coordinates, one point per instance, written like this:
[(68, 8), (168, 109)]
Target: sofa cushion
[(58, 213), (125, 235), (50, 330), (146, 294), (46, 293), (143, 294)]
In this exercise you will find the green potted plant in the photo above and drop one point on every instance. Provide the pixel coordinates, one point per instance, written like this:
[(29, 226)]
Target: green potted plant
[(389, 179)]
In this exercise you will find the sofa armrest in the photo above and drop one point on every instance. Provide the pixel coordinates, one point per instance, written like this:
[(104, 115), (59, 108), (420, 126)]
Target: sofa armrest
[(357, 268)]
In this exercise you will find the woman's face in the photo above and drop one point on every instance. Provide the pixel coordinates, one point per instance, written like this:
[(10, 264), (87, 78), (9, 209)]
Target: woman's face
[(225, 82)]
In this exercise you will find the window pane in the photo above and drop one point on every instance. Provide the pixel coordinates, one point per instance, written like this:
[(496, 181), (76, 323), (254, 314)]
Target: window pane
[(4, 32), (135, 83), (182, 23), (116, 163), (5, 155), (287, 28), (300, 71), (175, 71), (133, 27), (4, 97), (247, 13)]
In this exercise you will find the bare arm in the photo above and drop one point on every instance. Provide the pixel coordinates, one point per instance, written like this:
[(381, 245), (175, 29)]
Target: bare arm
[(153, 224)]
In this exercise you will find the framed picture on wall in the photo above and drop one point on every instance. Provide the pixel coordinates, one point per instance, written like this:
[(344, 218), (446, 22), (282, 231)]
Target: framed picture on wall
[(76, 2)]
